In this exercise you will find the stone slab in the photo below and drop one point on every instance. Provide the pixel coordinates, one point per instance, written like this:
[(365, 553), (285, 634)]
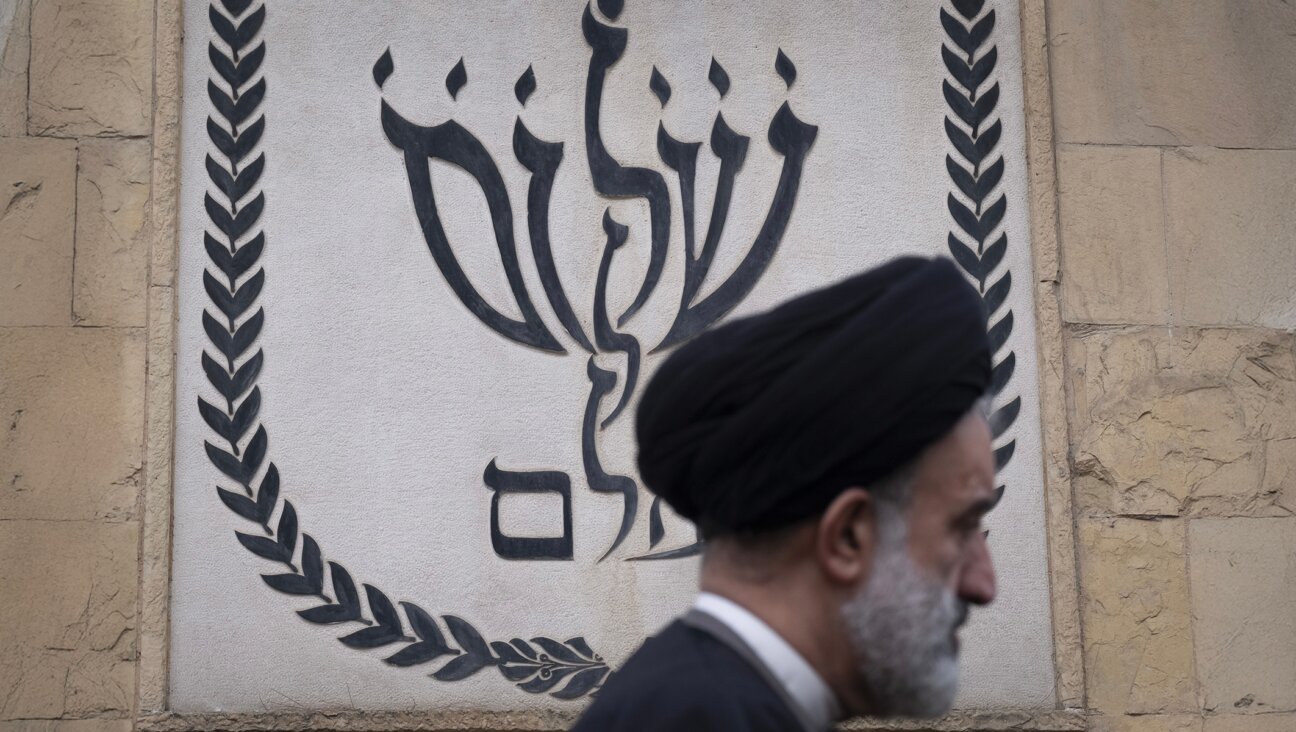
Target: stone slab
[(67, 725), (1231, 229), (1112, 235), (1146, 723), (68, 611), (1135, 606), (1183, 422), (71, 422), (377, 375), (37, 214), (15, 47), (112, 238), (1243, 574), (1166, 72), (1251, 723), (155, 503), (91, 68)]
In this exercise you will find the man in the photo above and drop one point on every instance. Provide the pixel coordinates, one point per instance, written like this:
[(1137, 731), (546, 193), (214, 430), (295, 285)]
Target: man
[(835, 456)]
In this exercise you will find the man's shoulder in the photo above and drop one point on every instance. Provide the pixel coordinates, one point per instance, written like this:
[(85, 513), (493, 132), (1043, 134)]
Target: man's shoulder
[(684, 678)]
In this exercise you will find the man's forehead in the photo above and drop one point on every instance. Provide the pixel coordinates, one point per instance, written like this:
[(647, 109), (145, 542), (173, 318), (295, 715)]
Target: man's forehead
[(958, 471)]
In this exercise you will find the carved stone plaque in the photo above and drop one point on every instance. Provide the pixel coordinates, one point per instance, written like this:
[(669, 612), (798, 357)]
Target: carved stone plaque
[(431, 252)]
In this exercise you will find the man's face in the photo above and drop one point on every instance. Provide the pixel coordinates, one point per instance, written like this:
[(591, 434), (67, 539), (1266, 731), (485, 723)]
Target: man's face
[(930, 563), (953, 490)]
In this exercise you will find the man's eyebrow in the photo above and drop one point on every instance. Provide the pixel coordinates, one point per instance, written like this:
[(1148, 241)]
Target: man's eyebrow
[(985, 505)]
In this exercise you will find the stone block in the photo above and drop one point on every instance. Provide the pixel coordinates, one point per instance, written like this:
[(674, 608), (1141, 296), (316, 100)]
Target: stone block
[(71, 422), (1134, 605), (1197, 422), (1251, 723), (67, 725), (1146, 723), (1244, 612), (15, 45), (91, 69), (112, 240), (155, 503), (1231, 229), (1167, 72), (37, 211), (68, 611), (1112, 235)]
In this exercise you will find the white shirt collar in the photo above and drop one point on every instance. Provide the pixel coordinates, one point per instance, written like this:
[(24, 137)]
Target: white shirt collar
[(798, 678)]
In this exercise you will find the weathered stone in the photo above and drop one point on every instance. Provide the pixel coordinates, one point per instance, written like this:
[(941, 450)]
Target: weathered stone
[(1138, 643), (1244, 612), (1113, 245), (1251, 723), (91, 68), (71, 422), (1183, 422), (1166, 72), (37, 210), (1146, 723), (68, 610), (67, 725), (155, 503), (166, 142), (15, 44), (111, 236), (1230, 218)]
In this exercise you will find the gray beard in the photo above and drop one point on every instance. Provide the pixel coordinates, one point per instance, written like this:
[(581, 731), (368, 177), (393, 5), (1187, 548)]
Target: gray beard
[(902, 633)]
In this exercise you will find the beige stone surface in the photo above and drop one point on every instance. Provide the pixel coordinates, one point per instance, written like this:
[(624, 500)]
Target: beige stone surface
[(37, 211), (67, 725), (1251, 723), (112, 239), (1135, 607), (68, 613), (155, 559), (1231, 230), (1168, 72), (1111, 228), (15, 21), (1146, 723), (91, 67), (1183, 422), (71, 422), (166, 142), (1243, 573)]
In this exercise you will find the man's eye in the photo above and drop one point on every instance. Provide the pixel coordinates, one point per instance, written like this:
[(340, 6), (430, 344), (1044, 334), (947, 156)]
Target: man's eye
[(970, 526)]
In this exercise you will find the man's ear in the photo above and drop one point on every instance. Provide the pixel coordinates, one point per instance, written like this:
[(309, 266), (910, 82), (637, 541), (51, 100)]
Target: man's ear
[(845, 541)]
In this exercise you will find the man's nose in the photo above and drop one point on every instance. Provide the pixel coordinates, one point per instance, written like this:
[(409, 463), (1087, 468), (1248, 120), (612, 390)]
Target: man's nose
[(977, 581)]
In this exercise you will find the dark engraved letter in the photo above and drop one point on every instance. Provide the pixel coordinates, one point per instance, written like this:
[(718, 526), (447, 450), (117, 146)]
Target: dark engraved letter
[(539, 481), (542, 159), (791, 138), (452, 143), (610, 177), (607, 338), (601, 382)]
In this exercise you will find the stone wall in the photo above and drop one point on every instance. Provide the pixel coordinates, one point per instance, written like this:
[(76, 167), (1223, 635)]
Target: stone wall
[(76, 109), (1173, 133), (1175, 139)]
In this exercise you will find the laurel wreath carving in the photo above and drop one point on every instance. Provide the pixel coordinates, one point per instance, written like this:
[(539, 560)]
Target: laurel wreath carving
[(233, 363), (976, 204)]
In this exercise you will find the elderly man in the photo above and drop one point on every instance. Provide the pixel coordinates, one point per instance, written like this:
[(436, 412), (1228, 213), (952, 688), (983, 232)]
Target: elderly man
[(834, 454)]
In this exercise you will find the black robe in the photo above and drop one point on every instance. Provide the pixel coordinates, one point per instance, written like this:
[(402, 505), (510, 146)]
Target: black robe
[(694, 675)]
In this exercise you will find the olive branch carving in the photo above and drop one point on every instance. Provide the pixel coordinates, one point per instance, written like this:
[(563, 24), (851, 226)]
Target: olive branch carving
[(233, 282), (974, 131)]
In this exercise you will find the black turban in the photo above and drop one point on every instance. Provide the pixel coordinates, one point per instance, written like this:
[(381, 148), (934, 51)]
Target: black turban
[(762, 422)]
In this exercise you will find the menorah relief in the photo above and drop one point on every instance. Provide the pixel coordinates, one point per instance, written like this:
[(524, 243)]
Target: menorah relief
[(449, 141)]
